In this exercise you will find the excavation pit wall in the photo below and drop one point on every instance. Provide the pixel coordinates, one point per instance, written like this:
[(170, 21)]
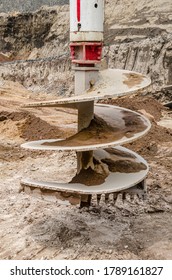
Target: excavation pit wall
[(42, 49)]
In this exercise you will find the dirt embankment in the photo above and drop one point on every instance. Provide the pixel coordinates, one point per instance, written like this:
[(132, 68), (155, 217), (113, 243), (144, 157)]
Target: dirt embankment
[(147, 145), (29, 5), (138, 40)]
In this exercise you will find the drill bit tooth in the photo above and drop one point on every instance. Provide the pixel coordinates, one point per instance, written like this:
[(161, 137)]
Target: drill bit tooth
[(106, 198), (127, 197), (98, 198), (111, 197), (115, 195), (85, 200), (124, 196), (131, 197)]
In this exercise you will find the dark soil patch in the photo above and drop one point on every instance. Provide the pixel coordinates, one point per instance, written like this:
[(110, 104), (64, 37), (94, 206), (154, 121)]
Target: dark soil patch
[(124, 166), (148, 145), (89, 178)]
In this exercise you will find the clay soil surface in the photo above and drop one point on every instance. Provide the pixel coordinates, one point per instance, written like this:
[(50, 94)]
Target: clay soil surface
[(35, 229)]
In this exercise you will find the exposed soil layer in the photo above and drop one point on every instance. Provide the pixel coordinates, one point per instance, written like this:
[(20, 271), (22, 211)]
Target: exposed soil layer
[(14, 153), (117, 161), (133, 124), (98, 132), (148, 144)]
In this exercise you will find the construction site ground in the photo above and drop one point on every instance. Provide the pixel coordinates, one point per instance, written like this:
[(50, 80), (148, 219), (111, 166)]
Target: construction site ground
[(31, 228)]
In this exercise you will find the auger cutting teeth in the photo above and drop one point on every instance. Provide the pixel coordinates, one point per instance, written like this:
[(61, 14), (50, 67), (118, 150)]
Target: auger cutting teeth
[(98, 198), (130, 195), (137, 192), (84, 190), (107, 198), (83, 201), (115, 196)]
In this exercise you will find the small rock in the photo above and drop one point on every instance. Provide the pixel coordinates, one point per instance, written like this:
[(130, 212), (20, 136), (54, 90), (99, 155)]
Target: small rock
[(3, 118), (21, 156), (34, 168)]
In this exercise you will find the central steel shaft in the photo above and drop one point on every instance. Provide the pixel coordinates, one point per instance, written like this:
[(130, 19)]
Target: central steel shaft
[(86, 36)]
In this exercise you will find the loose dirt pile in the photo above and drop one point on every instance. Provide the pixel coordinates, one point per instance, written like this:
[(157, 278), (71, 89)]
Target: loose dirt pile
[(29, 126), (151, 108), (136, 103)]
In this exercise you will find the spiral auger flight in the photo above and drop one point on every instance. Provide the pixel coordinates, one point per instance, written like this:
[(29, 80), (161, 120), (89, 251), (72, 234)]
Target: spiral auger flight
[(104, 167)]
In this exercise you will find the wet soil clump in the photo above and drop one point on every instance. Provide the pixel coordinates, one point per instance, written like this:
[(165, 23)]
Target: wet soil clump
[(89, 177), (100, 132)]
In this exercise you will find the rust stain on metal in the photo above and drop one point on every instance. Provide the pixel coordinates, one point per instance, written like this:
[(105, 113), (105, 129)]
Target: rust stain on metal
[(133, 79)]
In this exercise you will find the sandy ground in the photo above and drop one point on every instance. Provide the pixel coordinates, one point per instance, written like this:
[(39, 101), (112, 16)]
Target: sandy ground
[(35, 229)]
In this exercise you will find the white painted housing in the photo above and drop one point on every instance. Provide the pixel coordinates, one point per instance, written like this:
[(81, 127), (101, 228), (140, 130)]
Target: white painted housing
[(86, 20)]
